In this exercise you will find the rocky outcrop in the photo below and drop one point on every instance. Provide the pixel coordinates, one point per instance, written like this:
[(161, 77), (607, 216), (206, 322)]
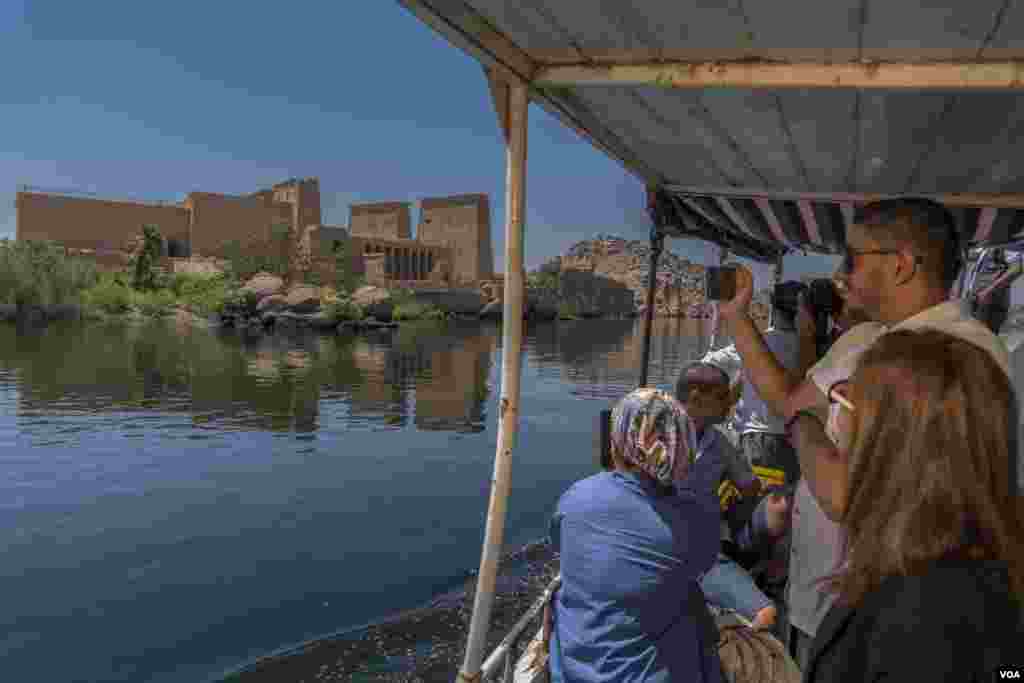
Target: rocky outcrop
[(320, 321), (539, 308), (262, 285), (680, 282), (375, 301), (368, 324), (589, 295), (467, 302), (535, 307), (274, 302), (492, 310), (303, 299), (262, 303), (610, 261)]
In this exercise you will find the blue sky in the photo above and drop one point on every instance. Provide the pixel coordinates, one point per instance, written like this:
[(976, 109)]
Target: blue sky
[(153, 100)]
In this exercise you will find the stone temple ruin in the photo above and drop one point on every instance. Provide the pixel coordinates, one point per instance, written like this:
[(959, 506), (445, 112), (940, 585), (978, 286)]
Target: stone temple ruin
[(452, 247)]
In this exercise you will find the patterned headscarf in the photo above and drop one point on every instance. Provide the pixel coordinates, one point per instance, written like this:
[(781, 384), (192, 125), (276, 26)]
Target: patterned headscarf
[(652, 431)]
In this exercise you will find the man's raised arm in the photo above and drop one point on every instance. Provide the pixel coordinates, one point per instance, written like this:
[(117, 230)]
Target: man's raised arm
[(782, 391)]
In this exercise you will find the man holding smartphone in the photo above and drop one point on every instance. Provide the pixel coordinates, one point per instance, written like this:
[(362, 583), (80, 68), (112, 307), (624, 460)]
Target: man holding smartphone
[(762, 431), (900, 259)]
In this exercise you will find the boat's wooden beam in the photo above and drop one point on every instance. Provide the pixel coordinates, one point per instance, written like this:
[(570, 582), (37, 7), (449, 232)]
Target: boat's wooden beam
[(504, 60), (968, 199), (942, 75), (478, 38), (499, 96)]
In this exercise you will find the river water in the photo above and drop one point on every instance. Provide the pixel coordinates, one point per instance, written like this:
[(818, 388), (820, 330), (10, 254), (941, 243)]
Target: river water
[(175, 503)]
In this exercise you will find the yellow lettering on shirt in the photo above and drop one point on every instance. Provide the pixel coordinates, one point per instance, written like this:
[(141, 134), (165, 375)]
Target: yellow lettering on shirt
[(770, 476)]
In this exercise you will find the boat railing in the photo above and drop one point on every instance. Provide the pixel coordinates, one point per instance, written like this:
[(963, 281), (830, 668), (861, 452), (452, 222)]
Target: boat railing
[(503, 659)]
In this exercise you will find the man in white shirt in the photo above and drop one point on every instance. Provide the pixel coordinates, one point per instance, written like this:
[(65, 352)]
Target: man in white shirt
[(762, 434), (900, 259)]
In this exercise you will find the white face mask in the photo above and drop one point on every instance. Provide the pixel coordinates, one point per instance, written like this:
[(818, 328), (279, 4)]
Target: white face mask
[(832, 424), (839, 434)]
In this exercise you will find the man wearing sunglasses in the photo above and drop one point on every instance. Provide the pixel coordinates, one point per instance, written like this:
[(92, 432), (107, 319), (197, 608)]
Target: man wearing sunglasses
[(900, 259)]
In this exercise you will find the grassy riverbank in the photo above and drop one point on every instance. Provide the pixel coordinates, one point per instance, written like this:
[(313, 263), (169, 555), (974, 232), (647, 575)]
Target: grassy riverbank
[(202, 295), (40, 274), (39, 281)]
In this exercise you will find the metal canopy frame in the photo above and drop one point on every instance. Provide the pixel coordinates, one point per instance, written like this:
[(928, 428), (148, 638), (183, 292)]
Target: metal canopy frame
[(756, 223), (761, 220)]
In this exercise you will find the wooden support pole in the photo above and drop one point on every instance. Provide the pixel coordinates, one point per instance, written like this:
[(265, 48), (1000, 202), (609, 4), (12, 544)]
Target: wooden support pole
[(723, 257), (776, 279), (511, 366), (936, 75), (657, 246)]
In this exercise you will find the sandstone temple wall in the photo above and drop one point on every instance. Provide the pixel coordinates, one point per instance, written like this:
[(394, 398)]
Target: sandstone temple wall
[(396, 260), (452, 245), (219, 220), (386, 220), (86, 223), (464, 222)]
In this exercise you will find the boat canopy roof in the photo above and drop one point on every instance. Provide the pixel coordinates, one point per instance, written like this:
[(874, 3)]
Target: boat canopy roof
[(765, 149)]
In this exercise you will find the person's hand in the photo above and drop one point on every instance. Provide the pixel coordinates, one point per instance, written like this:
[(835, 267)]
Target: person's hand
[(777, 513), (739, 304), (804, 316)]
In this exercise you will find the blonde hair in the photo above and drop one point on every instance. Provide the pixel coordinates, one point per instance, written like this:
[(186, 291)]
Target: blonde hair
[(930, 474)]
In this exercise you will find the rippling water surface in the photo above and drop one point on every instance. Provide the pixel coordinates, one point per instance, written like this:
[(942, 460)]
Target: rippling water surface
[(174, 504)]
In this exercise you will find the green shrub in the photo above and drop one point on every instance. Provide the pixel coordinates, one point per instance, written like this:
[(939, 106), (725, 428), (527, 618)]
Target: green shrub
[(40, 273), (547, 277), (400, 295), (567, 311), (344, 309), (412, 310), (144, 262), (548, 282), (345, 279), (156, 303), (206, 295), (109, 295)]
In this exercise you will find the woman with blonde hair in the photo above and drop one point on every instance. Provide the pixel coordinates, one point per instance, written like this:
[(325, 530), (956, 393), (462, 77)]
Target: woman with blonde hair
[(931, 586)]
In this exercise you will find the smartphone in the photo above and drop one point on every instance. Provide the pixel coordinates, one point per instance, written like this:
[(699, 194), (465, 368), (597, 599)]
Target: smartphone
[(720, 283)]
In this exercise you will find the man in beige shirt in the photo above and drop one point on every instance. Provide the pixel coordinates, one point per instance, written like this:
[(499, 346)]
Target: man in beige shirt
[(900, 259)]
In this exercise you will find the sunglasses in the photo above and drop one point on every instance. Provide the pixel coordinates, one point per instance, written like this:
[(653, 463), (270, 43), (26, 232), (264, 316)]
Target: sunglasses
[(834, 395), (713, 389), (846, 266)]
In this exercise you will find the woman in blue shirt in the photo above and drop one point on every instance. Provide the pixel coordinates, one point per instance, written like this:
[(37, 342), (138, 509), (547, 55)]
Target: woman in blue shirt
[(633, 547)]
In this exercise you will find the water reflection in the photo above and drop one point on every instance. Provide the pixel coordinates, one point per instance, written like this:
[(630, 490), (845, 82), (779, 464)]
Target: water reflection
[(602, 358), (255, 492), (434, 376)]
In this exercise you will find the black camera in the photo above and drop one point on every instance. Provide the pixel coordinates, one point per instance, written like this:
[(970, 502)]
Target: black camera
[(604, 439), (823, 297), (825, 303), (720, 283), (786, 296)]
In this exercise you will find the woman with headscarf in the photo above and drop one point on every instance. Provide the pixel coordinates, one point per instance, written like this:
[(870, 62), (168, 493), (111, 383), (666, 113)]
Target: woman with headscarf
[(633, 545)]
